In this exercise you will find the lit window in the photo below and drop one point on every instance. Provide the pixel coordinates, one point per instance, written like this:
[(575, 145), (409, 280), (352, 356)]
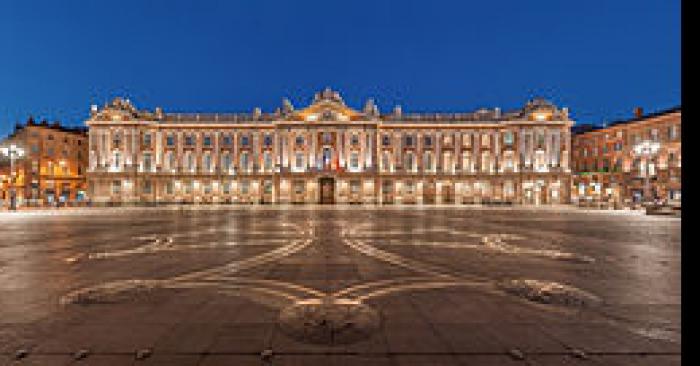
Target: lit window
[(226, 161), (354, 163), (267, 161), (299, 186), (190, 162), (207, 162), (147, 162), (244, 161), (355, 186), (427, 161), (508, 138), (409, 162), (171, 161)]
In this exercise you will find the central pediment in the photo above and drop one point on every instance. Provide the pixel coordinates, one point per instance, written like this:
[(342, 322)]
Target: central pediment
[(327, 106)]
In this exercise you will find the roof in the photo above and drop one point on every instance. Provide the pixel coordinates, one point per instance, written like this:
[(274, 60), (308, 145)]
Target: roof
[(589, 127), (328, 105)]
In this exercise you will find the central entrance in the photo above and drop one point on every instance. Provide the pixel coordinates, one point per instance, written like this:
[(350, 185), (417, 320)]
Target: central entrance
[(327, 190)]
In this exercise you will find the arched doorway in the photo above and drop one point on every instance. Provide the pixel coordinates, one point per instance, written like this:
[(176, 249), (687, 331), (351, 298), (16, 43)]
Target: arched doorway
[(327, 195), (429, 192)]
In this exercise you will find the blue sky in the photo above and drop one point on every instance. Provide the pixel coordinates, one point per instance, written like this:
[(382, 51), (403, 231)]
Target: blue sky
[(599, 58)]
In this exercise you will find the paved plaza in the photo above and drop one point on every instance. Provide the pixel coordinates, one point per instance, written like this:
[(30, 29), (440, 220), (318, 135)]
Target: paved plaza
[(339, 285)]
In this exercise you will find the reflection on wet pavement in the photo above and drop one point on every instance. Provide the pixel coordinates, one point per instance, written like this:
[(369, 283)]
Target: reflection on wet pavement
[(323, 275)]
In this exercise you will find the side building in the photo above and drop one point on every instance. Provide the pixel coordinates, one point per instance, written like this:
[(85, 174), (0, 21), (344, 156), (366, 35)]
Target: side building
[(50, 167), (629, 162), (328, 152)]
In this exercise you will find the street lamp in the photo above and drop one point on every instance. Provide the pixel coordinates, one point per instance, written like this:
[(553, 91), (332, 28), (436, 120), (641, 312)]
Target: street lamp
[(13, 151), (646, 149)]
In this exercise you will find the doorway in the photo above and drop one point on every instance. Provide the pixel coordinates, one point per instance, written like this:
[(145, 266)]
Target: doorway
[(327, 190)]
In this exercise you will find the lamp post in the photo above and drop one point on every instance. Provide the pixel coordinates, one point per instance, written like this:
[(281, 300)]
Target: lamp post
[(646, 149), (13, 151)]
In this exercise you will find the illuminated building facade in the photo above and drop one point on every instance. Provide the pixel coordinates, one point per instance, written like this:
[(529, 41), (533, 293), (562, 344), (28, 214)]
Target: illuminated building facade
[(52, 167), (629, 162), (330, 153)]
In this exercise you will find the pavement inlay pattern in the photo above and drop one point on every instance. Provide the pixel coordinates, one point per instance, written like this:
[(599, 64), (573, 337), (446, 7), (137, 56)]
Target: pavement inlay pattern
[(345, 285)]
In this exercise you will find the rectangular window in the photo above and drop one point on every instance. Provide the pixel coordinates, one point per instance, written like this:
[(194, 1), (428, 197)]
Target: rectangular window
[(244, 161), (207, 162), (227, 140), (146, 186), (508, 138), (189, 140), (245, 186), (169, 187), (299, 186), (485, 140), (672, 132), (227, 187), (147, 162), (409, 140), (427, 140), (226, 162), (466, 140), (244, 140), (190, 162), (171, 160), (355, 186), (300, 140), (386, 141), (409, 162), (355, 139), (387, 187), (116, 187), (427, 162), (267, 161), (170, 140), (147, 139), (354, 162), (207, 140), (268, 140), (408, 187)]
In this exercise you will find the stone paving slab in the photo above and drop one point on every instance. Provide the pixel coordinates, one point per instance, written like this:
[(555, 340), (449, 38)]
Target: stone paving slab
[(226, 275)]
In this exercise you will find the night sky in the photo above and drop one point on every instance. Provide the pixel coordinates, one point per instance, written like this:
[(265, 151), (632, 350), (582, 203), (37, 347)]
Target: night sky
[(599, 58)]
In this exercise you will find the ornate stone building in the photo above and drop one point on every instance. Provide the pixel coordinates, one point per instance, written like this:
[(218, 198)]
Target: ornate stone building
[(629, 162), (330, 153)]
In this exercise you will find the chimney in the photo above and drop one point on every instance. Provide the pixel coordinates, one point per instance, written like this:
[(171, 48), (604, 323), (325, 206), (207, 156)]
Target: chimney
[(638, 112)]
